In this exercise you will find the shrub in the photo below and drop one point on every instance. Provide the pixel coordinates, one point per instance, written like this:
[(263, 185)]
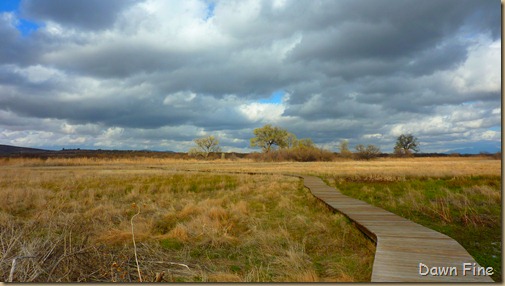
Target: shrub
[(297, 154), (344, 149), (366, 153)]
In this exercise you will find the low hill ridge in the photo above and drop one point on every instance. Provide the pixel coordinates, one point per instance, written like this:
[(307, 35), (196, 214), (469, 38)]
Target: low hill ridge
[(9, 149)]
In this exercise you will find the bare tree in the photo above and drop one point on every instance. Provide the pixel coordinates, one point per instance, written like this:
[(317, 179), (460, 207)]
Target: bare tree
[(205, 146)]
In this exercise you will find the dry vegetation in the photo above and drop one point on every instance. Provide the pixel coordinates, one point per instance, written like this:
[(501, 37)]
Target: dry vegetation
[(74, 216), (75, 223), (393, 167)]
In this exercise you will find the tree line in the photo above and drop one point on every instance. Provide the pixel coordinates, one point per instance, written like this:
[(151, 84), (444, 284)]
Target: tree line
[(278, 144)]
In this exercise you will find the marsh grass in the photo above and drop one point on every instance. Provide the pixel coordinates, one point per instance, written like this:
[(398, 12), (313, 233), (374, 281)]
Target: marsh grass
[(74, 216), (383, 167), (466, 208), (76, 221)]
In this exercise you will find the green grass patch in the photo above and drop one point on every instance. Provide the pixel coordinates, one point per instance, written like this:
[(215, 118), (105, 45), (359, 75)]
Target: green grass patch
[(466, 208), (171, 244)]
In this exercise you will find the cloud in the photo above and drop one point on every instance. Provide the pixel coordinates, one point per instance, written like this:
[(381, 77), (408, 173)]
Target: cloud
[(90, 14), (479, 73), (262, 112), (157, 74), (13, 47)]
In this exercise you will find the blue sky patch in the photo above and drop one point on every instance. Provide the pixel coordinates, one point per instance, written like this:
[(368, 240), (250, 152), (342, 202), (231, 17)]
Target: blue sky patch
[(275, 97), (210, 10), (26, 27), (9, 5)]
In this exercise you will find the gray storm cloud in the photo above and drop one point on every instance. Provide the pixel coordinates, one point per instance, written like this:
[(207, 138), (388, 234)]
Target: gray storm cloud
[(164, 72)]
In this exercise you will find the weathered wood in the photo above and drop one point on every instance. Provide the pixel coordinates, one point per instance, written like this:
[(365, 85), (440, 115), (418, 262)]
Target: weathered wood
[(402, 245)]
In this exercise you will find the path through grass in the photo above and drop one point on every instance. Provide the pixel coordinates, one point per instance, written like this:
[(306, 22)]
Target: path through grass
[(466, 208)]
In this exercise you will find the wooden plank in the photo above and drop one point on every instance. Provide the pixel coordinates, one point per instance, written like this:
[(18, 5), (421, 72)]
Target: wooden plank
[(403, 247)]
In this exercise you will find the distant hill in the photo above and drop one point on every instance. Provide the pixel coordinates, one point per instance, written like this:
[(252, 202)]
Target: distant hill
[(8, 149), (490, 149), (24, 152)]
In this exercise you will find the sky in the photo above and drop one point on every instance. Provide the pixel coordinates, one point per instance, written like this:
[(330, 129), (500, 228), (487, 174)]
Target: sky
[(156, 74)]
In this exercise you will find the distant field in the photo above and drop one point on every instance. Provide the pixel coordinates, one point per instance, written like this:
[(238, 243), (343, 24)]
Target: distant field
[(74, 216), (438, 166)]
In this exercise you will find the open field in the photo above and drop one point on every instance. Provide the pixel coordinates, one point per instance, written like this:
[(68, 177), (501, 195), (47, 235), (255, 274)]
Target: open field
[(76, 222), (74, 215), (437, 167)]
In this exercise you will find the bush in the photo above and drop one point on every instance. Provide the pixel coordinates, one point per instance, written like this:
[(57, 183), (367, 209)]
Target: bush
[(344, 149), (296, 154), (400, 153), (368, 153)]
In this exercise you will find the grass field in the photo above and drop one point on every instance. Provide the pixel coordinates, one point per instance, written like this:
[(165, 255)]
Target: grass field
[(432, 167), (77, 224), (75, 216)]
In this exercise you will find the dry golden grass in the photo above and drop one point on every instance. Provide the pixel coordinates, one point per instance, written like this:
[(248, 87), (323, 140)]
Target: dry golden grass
[(394, 167), (74, 216), (224, 277), (75, 220)]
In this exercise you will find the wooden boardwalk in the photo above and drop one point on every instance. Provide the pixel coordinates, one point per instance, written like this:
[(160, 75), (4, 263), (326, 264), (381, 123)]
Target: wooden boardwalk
[(402, 245)]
